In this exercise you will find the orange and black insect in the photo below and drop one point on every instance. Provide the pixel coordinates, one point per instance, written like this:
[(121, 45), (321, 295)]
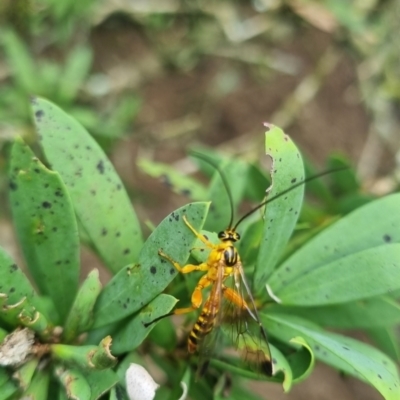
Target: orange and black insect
[(233, 304)]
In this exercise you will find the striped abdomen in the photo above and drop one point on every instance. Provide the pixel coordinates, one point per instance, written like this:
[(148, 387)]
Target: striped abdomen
[(204, 324)]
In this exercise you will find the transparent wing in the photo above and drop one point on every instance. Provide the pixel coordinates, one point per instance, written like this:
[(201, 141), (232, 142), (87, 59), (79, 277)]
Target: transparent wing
[(244, 325), (232, 309)]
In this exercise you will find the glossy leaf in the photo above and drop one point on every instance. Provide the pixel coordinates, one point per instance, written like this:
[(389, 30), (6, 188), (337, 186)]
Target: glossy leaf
[(374, 312), (365, 228), (100, 201), (131, 335), (280, 215), (368, 273), (46, 226), (136, 285), (349, 355)]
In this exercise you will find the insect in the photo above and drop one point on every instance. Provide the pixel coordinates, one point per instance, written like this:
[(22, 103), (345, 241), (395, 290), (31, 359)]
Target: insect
[(225, 303)]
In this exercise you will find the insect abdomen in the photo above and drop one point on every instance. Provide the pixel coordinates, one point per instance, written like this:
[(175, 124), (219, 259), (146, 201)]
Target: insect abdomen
[(202, 327)]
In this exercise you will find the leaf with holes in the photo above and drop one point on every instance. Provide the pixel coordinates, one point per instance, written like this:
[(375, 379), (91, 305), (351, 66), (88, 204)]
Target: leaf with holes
[(281, 215)]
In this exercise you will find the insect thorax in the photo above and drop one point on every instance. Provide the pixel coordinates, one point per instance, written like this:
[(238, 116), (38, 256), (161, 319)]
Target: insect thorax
[(230, 256)]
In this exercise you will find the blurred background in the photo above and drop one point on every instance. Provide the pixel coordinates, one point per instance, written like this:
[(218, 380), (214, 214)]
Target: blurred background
[(152, 78)]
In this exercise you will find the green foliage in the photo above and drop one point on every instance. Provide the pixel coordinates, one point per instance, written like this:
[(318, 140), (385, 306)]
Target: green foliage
[(62, 82), (347, 276)]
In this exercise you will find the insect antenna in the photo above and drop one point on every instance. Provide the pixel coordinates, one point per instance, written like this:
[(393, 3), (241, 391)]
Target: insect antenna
[(147, 324), (224, 181), (304, 181)]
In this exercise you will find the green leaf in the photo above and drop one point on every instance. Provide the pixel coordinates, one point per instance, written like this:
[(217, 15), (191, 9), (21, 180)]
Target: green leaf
[(21, 63), (99, 198), (135, 285), (301, 362), (13, 281), (281, 215), (85, 357), (24, 313), (182, 377), (346, 354), (80, 317), (74, 382), (25, 372), (365, 228), (7, 386), (174, 180), (100, 382), (237, 391), (257, 183), (387, 339), (118, 393), (346, 182), (374, 312), (46, 226), (10, 313), (318, 187), (164, 334), (131, 335), (38, 388), (249, 244), (75, 71), (368, 273)]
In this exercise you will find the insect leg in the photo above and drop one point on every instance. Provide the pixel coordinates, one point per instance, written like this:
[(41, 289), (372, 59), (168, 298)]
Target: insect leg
[(197, 297), (184, 269), (197, 234), (235, 298)]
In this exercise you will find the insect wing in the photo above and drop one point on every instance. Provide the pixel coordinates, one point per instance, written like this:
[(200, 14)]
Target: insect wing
[(245, 328)]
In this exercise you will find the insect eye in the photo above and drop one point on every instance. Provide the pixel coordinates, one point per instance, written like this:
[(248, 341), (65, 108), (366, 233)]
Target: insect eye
[(237, 236), (221, 235)]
